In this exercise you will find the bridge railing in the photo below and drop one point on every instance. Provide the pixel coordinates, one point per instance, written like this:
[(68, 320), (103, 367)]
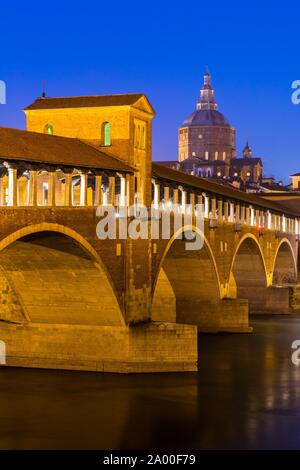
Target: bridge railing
[(219, 211), (32, 186)]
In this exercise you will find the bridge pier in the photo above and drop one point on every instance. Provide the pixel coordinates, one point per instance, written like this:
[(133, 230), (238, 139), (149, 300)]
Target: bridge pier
[(228, 315), (151, 347), (265, 300)]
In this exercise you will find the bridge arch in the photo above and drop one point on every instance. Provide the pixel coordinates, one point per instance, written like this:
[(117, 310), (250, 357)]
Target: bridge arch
[(186, 282), (252, 242), (248, 277), (57, 277), (284, 270)]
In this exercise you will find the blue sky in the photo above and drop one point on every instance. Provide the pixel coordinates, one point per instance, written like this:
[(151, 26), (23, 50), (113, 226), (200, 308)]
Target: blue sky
[(161, 48)]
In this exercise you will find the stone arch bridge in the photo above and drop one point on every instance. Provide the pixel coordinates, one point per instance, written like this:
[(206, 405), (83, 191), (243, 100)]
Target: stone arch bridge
[(60, 283), (71, 300)]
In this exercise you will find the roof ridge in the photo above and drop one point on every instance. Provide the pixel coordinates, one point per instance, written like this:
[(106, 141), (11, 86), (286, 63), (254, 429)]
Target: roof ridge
[(86, 96), (82, 101)]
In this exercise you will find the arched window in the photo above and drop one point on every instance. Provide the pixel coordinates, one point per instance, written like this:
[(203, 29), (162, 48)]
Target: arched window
[(48, 129), (106, 132)]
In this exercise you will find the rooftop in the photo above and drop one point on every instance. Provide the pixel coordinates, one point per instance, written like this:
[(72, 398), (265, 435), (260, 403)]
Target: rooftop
[(163, 172), (53, 150), (206, 117), (207, 113), (87, 101), (250, 161)]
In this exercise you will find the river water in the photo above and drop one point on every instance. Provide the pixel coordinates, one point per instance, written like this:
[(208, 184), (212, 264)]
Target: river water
[(246, 395)]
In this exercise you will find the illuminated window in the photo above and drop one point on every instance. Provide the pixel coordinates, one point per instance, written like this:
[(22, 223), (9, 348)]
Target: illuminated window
[(48, 129), (206, 155), (224, 155), (106, 134), (216, 155)]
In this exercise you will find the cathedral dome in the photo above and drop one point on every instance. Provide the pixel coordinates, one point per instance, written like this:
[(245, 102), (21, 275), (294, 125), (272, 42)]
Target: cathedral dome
[(206, 117), (207, 113)]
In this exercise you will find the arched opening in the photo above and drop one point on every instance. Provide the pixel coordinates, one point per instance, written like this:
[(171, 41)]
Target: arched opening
[(106, 134), (248, 267), (187, 287), (284, 267), (48, 129), (248, 276), (48, 277), (248, 280)]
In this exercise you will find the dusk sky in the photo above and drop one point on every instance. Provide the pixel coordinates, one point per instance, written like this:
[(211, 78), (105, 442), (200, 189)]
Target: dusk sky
[(161, 48)]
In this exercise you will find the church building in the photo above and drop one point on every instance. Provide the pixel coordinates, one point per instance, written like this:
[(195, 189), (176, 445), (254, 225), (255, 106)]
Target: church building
[(207, 145)]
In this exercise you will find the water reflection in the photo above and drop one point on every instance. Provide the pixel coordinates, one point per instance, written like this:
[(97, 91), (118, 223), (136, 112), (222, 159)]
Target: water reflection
[(246, 395)]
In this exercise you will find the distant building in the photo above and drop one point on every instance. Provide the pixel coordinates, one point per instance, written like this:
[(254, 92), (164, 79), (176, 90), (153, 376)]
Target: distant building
[(270, 185), (206, 133), (295, 182), (207, 146)]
